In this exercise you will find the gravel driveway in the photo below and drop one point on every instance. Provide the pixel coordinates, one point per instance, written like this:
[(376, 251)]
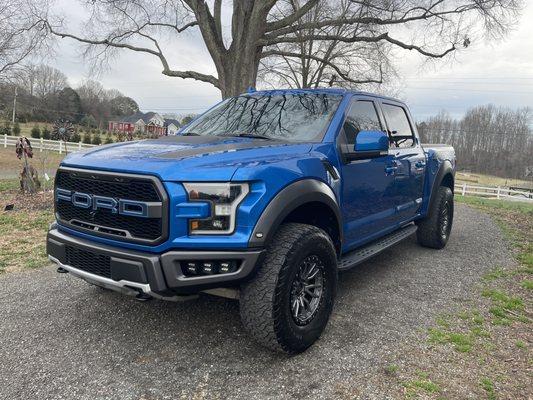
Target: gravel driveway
[(62, 338)]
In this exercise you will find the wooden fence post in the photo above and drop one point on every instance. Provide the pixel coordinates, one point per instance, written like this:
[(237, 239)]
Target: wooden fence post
[(60, 147), (41, 148), (464, 189), (498, 193), (5, 140), (79, 145)]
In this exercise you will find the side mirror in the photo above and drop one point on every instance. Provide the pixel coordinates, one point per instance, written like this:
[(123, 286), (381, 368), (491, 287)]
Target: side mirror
[(371, 141), (368, 144)]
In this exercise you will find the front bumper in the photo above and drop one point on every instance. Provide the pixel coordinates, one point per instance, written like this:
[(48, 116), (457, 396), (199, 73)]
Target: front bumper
[(133, 272)]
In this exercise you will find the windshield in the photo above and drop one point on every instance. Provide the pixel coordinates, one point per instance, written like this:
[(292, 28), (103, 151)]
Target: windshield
[(297, 117)]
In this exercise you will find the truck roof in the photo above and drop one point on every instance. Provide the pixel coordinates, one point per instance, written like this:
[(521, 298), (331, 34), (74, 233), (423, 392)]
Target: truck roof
[(337, 91)]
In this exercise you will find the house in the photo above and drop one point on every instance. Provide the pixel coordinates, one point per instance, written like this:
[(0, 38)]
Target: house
[(172, 125), (148, 123)]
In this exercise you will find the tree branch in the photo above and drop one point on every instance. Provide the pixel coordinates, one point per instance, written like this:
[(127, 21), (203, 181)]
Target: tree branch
[(345, 77), (217, 15), (175, 27), (354, 39), (158, 53), (365, 20), (292, 18)]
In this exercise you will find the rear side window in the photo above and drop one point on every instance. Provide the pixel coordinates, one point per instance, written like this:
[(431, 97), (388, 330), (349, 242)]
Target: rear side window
[(400, 132), (362, 116)]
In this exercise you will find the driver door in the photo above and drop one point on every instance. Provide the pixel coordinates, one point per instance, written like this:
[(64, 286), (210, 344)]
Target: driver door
[(368, 203)]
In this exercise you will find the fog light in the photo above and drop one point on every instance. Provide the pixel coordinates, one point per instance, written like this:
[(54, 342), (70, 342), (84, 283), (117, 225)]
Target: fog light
[(208, 268), (226, 266), (192, 268)]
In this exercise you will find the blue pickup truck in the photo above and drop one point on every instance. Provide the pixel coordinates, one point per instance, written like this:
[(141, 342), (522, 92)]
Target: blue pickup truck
[(265, 197)]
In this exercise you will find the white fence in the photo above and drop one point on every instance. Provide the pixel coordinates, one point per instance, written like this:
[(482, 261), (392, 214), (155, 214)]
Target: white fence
[(45, 144), (495, 192)]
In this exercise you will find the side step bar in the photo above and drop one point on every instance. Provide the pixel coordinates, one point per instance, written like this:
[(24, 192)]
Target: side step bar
[(357, 256)]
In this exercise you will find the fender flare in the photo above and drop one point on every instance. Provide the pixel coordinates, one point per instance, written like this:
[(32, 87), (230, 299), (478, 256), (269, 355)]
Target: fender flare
[(445, 169), (288, 200)]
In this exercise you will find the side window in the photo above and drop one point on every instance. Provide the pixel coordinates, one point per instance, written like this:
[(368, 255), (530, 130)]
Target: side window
[(400, 132), (362, 116)]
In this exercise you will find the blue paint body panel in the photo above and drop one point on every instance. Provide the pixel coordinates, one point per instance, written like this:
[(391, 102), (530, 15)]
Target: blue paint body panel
[(375, 196)]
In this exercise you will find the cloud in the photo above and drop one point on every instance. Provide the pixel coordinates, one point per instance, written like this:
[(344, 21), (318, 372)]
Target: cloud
[(496, 72)]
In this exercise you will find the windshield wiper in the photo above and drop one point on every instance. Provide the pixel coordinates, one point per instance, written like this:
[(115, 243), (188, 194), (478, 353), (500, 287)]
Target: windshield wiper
[(190, 134), (249, 135)]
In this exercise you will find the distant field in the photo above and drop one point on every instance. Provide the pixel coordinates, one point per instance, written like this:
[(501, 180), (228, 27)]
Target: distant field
[(10, 165), (480, 179)]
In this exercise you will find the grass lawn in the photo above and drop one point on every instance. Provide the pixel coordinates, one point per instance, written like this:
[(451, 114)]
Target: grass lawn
[(23, 230), (490, 180), (22, 239), (10, 165), (483, 349)]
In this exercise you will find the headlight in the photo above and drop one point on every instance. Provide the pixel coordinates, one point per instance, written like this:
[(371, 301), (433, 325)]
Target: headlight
[(224, 199)]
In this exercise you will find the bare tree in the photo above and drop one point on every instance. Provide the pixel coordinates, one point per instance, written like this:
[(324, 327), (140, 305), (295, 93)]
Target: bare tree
[(22, 34), (488, 139), (314, 63), (41, 80), (261, 29)]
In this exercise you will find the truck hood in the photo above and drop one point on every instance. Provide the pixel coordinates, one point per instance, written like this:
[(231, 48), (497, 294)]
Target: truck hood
[(185, 158)]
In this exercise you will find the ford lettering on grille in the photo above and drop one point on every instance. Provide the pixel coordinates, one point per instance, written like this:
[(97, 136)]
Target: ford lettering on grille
[(115, 206), (119, 206)]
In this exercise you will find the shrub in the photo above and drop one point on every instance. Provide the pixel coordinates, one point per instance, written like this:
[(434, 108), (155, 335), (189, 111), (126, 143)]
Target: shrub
[(96, 139), (75, 137), (88, 121), (35, 132), (45, 133), (16, 129), (6, 129), (121, 136), (87, 138), (108, 139)]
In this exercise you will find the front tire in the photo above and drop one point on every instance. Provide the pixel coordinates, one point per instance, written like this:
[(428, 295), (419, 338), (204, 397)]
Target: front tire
[(434, 230), (288, 303)]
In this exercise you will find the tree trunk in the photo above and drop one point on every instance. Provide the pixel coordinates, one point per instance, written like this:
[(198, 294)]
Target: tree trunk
[(239, 73), (237, 70)]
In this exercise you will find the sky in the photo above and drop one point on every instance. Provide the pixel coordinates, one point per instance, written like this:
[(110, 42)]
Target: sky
[(498, 72)]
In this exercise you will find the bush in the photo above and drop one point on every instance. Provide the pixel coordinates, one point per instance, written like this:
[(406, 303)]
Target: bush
[(75, 137), (108, 139), (35, 132), (88, 121), (16, 129), (45, 133), (6, 129), (96, 139), (87, 138)]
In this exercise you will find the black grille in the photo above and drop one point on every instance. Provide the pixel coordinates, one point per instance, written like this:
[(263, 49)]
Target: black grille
[(118, 187), (131, 189), (89, 262)]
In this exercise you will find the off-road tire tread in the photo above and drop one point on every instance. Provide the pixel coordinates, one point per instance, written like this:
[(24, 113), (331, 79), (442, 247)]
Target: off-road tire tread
[(257, 305), (428, 228)]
